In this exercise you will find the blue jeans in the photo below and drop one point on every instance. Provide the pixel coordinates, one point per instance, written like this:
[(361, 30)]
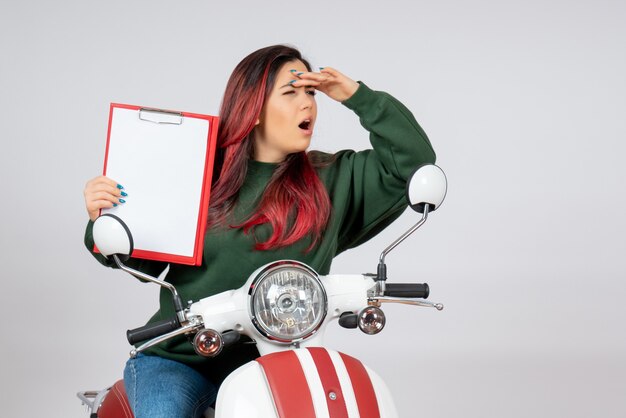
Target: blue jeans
[(162, 388)]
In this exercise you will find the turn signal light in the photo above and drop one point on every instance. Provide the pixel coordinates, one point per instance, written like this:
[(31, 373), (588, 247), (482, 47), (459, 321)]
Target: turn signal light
[(371, 320), (208, 343)]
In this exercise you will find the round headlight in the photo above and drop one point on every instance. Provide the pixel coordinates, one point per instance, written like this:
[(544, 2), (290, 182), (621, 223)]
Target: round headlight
[(287, 301)]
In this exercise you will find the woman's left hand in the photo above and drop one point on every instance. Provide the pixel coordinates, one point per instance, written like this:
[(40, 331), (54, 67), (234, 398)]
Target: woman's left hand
[(329, 81)]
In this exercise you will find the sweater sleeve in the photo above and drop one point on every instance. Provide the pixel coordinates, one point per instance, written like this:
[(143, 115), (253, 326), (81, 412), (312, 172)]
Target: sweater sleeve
[(152, 268), (375, 188)]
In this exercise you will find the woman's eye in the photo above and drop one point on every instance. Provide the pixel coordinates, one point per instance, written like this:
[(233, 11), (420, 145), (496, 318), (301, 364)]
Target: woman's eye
[(310, 92)]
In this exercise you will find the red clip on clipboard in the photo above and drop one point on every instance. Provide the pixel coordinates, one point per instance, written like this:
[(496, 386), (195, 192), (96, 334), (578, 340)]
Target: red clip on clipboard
[(164, 160)]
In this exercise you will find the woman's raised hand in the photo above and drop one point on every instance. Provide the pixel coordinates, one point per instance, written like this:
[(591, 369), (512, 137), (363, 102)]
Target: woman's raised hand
[(101, 193), (329, 81)]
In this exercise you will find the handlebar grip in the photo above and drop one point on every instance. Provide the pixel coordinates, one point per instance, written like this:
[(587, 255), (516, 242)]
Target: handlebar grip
[(152, 330), (407, 290)]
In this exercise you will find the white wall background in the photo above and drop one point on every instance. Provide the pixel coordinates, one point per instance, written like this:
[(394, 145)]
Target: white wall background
[(525, 102)]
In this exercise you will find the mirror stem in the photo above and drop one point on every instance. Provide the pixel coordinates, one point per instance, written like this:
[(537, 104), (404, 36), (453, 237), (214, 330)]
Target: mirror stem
[(382, 268), (178, 304)]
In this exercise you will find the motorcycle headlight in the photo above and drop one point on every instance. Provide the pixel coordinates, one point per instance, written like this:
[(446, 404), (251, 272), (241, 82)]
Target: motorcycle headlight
[(287, 301)]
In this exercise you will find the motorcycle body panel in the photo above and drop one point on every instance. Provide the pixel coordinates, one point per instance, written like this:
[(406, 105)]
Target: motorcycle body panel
[(305, 383), (383, 395), (245, 394), (231, 310)]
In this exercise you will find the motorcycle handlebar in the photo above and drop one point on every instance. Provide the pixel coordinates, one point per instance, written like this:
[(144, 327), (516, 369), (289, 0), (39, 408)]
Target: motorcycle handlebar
[(407, 290), (152, 330)]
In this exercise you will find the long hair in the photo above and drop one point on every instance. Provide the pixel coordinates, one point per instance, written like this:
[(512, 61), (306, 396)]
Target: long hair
[(295, 202)]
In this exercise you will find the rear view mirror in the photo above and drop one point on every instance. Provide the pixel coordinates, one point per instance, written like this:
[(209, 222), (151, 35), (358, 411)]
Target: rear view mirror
[(112, 236), (426, 186)]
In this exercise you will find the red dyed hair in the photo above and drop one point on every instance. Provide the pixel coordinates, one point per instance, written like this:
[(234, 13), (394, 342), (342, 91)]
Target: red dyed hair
[(295, 202)]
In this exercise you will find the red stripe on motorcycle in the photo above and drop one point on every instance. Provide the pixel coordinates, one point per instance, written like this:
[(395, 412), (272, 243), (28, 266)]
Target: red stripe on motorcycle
[(330, 383), (363, 388), (290, 391)]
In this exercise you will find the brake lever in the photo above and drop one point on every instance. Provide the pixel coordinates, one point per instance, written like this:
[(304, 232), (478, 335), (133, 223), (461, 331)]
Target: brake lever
[(195, 324), (378, 300)]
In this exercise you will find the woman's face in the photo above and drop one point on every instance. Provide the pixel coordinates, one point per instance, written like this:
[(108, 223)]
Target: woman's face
[(287, 118)]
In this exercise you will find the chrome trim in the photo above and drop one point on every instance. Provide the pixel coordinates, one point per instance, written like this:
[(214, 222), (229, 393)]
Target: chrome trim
[(404, 236), (269, 269), (376, 310), (93, 399), (143, 276), (220, 341)]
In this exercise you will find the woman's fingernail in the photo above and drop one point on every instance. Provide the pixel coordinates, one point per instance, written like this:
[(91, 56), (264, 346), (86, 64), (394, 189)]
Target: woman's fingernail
[(299, 74), (293, 71), (119, 186), (124, 194), (114, 204), (122, 201), (292, 81), (321, 68)]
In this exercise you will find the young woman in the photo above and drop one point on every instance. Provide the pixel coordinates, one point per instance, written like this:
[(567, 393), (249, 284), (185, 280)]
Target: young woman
[(270, 200)]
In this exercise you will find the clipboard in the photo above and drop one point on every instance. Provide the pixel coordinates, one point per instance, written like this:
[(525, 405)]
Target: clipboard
[(164, 160)]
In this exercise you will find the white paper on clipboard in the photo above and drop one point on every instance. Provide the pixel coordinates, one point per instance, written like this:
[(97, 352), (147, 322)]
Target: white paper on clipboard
[(161, 161)]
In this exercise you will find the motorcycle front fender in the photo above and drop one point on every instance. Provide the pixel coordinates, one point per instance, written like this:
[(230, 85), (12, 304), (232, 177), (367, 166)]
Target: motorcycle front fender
[(245, 394), (305, 383)]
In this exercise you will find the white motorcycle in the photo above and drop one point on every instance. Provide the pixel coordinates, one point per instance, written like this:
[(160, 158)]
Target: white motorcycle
[(284, 307)]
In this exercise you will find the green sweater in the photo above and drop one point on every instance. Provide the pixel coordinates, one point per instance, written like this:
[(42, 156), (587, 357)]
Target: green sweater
[(366, 189)]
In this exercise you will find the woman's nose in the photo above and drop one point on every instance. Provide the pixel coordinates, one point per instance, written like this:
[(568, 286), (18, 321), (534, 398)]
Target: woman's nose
[(308, 101)]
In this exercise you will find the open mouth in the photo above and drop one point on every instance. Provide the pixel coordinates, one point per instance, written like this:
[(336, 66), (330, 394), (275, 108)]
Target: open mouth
[(306, 124)]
